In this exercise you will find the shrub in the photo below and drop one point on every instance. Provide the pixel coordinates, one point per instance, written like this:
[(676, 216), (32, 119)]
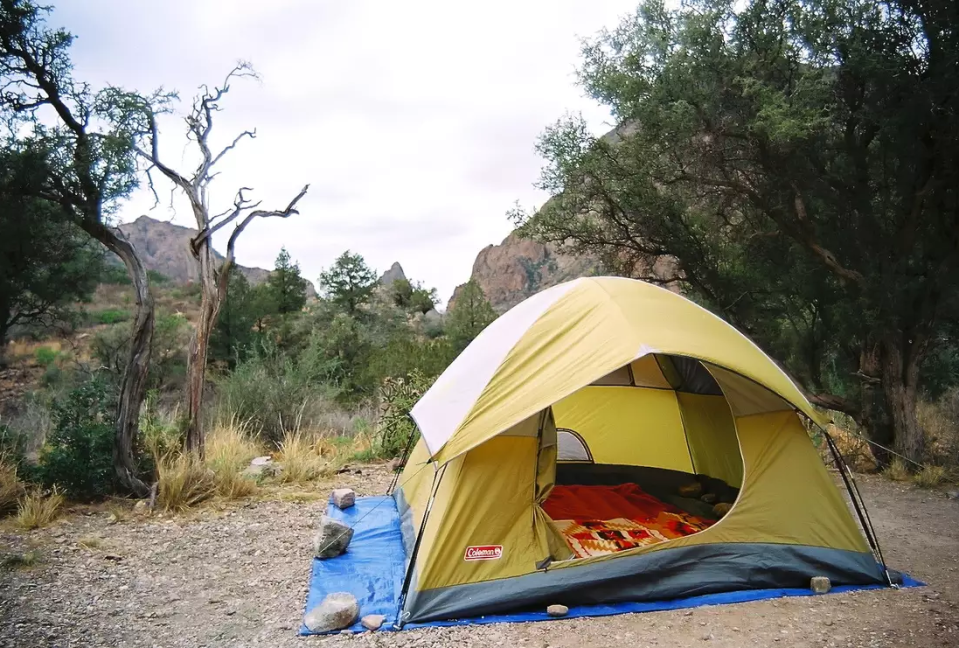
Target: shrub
[(396, 429), (274, 392), (45, 356), (79, 452), (11, 488), (38, 509), (183, 482), (110, 316)]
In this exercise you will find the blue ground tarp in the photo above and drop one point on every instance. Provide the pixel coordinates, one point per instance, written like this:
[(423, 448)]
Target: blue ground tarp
[(372, 569)]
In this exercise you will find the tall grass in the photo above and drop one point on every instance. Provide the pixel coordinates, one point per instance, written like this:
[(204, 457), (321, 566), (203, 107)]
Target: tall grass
[(183, 481), (230, 447), (11, 488), (301, 456), (37, 509)]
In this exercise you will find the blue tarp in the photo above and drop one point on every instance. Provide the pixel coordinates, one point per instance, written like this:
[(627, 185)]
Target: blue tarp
[(372, 569)]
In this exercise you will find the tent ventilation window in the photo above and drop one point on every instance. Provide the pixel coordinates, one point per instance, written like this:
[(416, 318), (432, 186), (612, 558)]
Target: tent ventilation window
[(571, 447)]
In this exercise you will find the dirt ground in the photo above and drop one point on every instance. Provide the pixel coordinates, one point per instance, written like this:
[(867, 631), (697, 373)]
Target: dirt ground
[(237, 576)]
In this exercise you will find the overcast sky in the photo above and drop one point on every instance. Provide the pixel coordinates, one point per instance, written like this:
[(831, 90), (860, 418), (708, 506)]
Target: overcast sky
[(414, 122)]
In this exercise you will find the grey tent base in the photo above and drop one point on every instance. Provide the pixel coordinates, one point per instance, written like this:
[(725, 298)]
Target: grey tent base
[(655, 576)]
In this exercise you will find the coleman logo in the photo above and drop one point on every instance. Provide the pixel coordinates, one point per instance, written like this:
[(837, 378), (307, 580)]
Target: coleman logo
[(484, 552)]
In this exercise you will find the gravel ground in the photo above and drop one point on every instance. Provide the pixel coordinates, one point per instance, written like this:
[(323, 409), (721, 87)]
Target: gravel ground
[(237, 577)]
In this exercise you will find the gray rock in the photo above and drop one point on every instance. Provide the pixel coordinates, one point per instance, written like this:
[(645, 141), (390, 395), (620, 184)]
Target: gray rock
[(373, 621), (820, 584), (343, 498), (332, 538), (261, 461), (953, 495), (557, 610), (335, 612)]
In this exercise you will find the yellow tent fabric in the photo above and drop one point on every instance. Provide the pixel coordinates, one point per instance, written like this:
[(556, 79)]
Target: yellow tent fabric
[(646, 380), (556, 354)]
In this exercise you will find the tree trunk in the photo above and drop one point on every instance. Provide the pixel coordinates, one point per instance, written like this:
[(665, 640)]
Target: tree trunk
[(210, 302), (875, 418), (900, 378), (134, 383)]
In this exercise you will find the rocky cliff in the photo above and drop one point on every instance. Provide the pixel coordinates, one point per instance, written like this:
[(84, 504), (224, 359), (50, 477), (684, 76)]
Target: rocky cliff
[(164, 248), (517, 268)]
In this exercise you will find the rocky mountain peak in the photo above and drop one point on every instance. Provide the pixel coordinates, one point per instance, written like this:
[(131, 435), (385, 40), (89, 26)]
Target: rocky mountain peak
[(164, 248), (395, 273)]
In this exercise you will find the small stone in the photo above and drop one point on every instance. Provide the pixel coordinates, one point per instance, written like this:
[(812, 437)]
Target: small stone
[(140, 507), (331, 539), (335, 612), (557, 610), (688, 613), (343, 498), (820, 584), (261, 461), (953, 495), (373, 621)]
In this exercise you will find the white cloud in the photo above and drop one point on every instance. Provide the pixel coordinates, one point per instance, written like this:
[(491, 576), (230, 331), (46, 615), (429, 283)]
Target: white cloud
[(413, 122)]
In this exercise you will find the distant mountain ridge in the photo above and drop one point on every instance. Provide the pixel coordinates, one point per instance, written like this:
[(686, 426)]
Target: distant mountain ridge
[(164, 248)]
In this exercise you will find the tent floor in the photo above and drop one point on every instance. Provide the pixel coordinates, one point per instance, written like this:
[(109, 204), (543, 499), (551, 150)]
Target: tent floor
[(372, 569)]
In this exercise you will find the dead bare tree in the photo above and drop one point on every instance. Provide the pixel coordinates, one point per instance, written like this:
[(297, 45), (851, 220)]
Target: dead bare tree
[(213, 277)]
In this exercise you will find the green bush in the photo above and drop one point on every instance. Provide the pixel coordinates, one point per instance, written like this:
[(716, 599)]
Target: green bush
[(115, 274), (78, 455), (277, 392), (110, 316), (396, 429), (45, 356)]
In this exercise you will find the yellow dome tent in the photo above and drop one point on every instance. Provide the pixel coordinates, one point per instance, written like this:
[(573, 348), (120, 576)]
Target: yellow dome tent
[(620, 391)]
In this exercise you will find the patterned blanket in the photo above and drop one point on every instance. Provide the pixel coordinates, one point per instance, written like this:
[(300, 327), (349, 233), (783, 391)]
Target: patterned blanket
[(640, 519)]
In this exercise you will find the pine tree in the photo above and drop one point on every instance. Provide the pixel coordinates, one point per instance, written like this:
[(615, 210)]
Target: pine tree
[(286, 284), (349, 282)]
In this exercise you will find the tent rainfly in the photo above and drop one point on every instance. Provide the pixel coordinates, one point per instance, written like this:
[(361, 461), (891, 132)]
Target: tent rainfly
[(608, 440)]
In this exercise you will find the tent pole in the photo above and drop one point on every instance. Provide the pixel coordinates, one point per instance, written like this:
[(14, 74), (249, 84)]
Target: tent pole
[(437, 478), (858, 504)]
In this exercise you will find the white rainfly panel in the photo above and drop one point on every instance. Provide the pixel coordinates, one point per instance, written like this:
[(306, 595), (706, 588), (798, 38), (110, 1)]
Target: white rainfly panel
[(442, 409)]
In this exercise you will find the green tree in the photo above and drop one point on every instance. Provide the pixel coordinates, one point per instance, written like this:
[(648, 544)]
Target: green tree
[(233, 334), (46, 263), (81, 132), (413, 298), (288, 287), (349, 283), (469, 315), (797, 161)]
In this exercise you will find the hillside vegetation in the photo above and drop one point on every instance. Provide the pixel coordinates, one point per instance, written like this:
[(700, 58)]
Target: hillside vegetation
[(315, 382)]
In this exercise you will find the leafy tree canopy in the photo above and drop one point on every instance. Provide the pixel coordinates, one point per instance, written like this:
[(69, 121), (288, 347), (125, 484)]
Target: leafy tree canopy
[(797, 162), (349, 283), (46, 263)]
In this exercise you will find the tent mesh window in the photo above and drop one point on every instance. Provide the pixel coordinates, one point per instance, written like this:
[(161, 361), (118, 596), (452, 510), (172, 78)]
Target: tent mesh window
[(571, 447)]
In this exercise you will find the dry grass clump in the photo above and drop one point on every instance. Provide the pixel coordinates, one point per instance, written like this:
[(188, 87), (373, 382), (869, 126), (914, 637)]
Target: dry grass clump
[(229, 449), (11, 488), (930, 476), (897, 470), (38, 509), (183, 481), (302, 457)]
